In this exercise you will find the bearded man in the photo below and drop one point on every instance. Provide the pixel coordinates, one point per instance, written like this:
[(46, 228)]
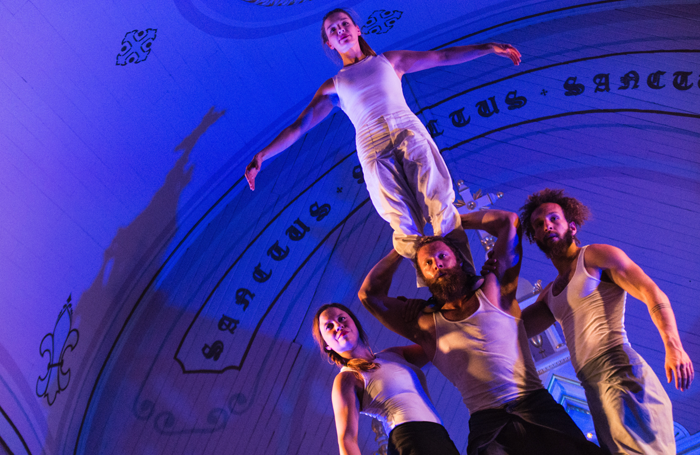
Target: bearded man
[(477, 341), (630, 409)]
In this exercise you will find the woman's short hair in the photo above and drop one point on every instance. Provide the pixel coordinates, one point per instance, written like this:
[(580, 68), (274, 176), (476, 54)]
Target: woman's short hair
[(573, 209), (364, 47), (334, 357)]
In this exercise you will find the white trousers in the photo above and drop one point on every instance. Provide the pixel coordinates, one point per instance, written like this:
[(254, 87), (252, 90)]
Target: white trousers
[(631, 411), (408, 181)]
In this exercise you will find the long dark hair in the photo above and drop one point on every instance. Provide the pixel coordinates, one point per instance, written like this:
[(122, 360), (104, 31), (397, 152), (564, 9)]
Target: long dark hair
[(334, 357), (364, 47)]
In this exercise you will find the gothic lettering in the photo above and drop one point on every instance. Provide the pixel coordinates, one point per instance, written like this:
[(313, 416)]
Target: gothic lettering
[(572, 88), (514, 101), (458, 119), (319, 212), (259, 274), (483, 107), (214, 350), (357, 174), (632, 76), (242, 296), (654, 80), (227, 323), (680, 80), (432, 129), (294, 233), (276, 252), (602, 83)]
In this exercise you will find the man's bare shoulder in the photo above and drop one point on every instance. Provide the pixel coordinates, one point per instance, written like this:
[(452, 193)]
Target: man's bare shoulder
[(491, 289), (426, 321), (418, 318), (425, 333), (603, 256), (415, 310), (543, 296)]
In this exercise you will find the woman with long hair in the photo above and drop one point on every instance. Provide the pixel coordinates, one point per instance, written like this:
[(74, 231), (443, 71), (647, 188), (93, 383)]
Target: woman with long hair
[(407, 179), (388, 385)]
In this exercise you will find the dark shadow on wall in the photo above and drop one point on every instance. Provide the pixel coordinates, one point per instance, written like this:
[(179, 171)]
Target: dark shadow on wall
[(147, 401), (176, 413), (132, 258)]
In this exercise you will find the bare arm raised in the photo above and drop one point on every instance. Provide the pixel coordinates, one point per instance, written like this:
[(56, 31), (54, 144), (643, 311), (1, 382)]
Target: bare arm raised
[(405, 62), (537, 317), (374, 295), (501, 285), (320, 106), (630, 277)]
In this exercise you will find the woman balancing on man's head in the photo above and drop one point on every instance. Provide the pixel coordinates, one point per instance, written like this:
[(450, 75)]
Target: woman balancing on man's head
[(407, 179), (388, 385)]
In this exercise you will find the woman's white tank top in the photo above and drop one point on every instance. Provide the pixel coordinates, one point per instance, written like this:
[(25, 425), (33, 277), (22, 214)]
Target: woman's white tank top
[(396, 392), (591, 313), (369, 89)]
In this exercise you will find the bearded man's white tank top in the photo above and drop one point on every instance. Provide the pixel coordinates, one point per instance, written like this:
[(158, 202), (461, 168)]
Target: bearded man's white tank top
[(486, 356), (591, 313)]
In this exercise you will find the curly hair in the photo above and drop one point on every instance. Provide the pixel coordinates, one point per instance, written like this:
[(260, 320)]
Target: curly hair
[(574, 210), (334, 357)]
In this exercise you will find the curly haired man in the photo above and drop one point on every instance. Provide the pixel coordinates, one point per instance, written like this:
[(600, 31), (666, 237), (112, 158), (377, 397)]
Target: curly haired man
[(631, 411)]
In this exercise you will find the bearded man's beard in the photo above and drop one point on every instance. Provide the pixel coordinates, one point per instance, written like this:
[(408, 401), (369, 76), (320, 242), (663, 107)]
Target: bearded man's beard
[(450, 287), (554, 249)]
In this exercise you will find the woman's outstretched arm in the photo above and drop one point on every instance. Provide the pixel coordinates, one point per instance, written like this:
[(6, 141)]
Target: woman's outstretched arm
[(405, 62), (318, 109)]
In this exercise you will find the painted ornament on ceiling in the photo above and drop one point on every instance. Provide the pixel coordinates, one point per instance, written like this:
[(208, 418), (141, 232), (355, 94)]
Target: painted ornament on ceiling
[(136, 46), (56, 345), (381, 21)]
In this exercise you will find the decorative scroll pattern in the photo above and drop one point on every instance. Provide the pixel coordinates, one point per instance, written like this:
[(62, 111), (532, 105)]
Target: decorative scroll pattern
[(381, 21), (136, 46)]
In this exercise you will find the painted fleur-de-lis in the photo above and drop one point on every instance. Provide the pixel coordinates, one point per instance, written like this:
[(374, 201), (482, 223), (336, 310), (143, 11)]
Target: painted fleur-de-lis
[(56, 344)]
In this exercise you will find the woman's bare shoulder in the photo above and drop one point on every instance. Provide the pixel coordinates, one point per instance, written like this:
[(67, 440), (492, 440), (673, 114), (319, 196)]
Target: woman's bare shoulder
[(346, 380), (327, 88)]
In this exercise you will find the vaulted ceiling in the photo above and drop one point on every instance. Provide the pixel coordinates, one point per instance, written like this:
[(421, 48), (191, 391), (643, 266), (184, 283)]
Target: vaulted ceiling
[(153, 304)]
